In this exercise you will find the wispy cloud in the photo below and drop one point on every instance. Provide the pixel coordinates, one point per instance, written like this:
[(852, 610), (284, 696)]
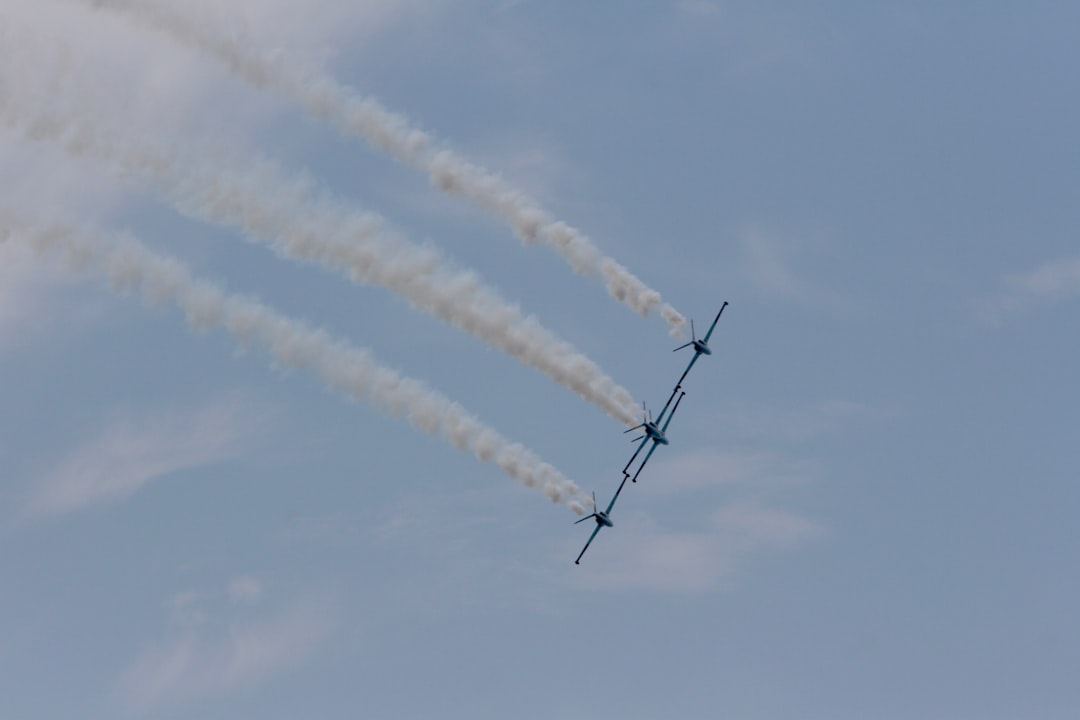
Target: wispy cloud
[(185, 608), (23, 283), (334, 530), (799, 423), (654, 558), (732, 468), (770, 263), (283, 22), (126, 456), (702, 553), (29, 285), (1046, 285), (244, 589), (207, 658)]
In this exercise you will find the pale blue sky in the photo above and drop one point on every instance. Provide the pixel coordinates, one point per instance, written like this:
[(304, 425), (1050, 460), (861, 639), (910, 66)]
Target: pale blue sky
[(869, 505)]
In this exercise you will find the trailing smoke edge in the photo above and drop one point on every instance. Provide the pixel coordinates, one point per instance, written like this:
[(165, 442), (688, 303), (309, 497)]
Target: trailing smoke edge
[(302, 223), (354, 114), (131, 268)]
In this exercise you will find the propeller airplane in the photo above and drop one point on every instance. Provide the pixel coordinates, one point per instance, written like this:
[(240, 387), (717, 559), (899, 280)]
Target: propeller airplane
[(656, 442), (651, 428), (701, 347), (602, 519)]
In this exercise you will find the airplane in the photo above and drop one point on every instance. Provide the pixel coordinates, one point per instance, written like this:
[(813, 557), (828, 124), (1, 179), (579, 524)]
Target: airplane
[(602, 518), (652, 429), (657, 443), (701, 347)]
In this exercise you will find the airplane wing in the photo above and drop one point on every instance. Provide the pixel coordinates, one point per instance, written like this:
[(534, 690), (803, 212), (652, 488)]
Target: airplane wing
[(715, 321), (634, 456), (647, 456), (658, 419), (673, 412), (672, 397), (655, 445), (616, 496), (589, 542)]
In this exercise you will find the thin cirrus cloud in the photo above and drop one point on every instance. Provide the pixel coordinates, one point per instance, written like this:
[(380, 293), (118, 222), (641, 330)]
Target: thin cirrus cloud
[(1049, 284), (711, 468), (24, 282), (124, 457), (244, 589), (32, 289), (214, 657), (796, 424), (769, 266), (695, 559), (702, 553)]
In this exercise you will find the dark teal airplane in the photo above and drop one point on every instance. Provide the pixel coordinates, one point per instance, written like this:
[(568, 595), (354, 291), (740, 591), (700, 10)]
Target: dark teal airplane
[(701, 347), (652, 429), (602, 518), (656, 441)]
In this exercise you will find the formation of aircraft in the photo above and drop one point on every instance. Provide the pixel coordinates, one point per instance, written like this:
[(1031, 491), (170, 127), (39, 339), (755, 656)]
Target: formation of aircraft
[(651, 430)]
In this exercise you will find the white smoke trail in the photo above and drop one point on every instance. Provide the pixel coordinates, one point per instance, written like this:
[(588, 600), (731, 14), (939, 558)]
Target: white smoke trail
[(132, 268), (306, 225), (355, 114)]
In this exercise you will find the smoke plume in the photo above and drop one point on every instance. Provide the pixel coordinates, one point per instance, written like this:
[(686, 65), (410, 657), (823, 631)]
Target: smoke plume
[(303, 223), (132, 268), (357, 115)]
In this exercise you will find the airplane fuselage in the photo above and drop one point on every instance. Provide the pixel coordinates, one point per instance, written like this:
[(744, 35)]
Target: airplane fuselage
[(603, 519), (656, 433), (702, 347)]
